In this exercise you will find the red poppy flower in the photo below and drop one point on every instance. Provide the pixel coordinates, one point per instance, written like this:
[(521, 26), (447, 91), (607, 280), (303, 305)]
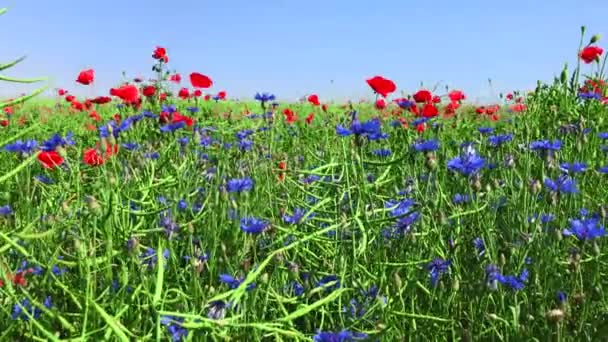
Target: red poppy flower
[(183, 93), (290, 116), (4, 122), (200, 80), (381, 85), (221, 95), (162, 97), (102, 100), (509, 96), (160, 53), (62, 92), (314, 99), (518, 107), (175, 78), (163, 117), (127, 93), (86, 77), (423, 96), (93, 115), (591, 53), (456, 95), (92, 157), (420, 128), (149, 91), (207, 97), (436, 99), (282, 165), (177, 117), (380, 104), (49, 159), (197, 93), (480, 110), (450, 109), (77, 106), (309, 118), (429, 110), (324, 107), (70, 98)]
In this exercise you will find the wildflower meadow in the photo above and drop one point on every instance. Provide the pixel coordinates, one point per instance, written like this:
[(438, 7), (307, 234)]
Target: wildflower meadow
[(166, 210)]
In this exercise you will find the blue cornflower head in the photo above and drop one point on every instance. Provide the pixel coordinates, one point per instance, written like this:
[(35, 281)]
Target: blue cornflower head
[(468, 163), (497, 140), (245, 133), (168, 224), (297, 288), (602, 135), (6, 210), (426, 145), (217, 310), (296, 218), (461, 199), (19, 146), (546, 145), (182, 204), (589, 96), (485, 130), (544, 218), (25, 305), (148, 114), (563, 184), (436, 268), (400, 207), (585, 229), (419, 121), (383, 152), (603, 169), (372, 129), (43, 179), (310, 179), (571, 168), (174, 327), (192, 110), (130, 146), (245, 145), (239, 184), (405, 104), (169, 108), (152, 155), (56, 270), (342, 336), (561, 297), (172, 127), (480, 246), (150, 258), (253, 225), (56, 140), (183, 141), (327, 280), (233, 282), (264, 97), (514, 282)]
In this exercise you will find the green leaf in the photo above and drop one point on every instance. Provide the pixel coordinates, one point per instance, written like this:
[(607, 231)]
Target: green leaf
[(11, 64), (23, 98), (21, 80)]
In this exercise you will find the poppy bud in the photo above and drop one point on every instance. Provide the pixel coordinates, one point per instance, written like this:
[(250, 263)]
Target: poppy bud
[(595, 39), (564, 74)]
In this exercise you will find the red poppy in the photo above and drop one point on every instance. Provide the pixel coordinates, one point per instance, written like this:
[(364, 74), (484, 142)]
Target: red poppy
[(436, 99), (221, 95), (162, 97), (207, 97), (381, 85), (70, 98), (127, 93), (163, 117), (86, 77), (420, 128), (380, 104), (117, 118), (494, 117), (314, 99), (480, 110), (591, 53), (450, 109), (456, 95), (429, 110), (62, 92), (175, 78), (149, 91), (77, 106), (183, 93), (197, 93), (101, 100), (160, 53), (324, 107), (509, 96), (290, 116), (518, 107), (92, 157), (282, 165), (200, 80), (423, 96), (49, 159), (177, 117), (4, 122), (309, 118), (93, 115)]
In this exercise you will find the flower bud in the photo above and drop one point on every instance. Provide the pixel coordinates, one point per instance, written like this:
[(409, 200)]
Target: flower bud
[(595, 39)]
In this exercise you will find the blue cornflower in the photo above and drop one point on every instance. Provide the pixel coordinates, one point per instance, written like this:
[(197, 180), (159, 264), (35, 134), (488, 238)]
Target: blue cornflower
[(436, 268), (426, 145), (589, 96), (330, 279), (18, 310), (253, 225), (342, 336), (480, 246), (264, 97), (192, 109), (603, 169), (297, 288), (571, 168), (468, 163), (233, 282), (57, 270), (585, 229), (182, 204), (43, 179), (245, 133), (514, 282), (460, 199), (497, 140), (296, 218), (310, 179), (152, 155), (383, 152), (130, 146), (19, 146), (399, 208), (485, 130), (169, 108), (245, 145), (563, 184), (419, 121), (405, 104), (239, 184), (172, 127), (561, 297), (6, 210), (372, 129), (217, 310), (56, 140), (602, 135), (546, 145), (183, 141), (149, 257), (174, 326), (168, 224)]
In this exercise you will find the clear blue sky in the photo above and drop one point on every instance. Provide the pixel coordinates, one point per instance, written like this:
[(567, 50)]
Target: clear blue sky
[(292, 47)]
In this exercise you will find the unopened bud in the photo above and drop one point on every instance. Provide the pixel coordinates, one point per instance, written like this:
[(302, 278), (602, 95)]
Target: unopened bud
[(595, 39), (555, 315)]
